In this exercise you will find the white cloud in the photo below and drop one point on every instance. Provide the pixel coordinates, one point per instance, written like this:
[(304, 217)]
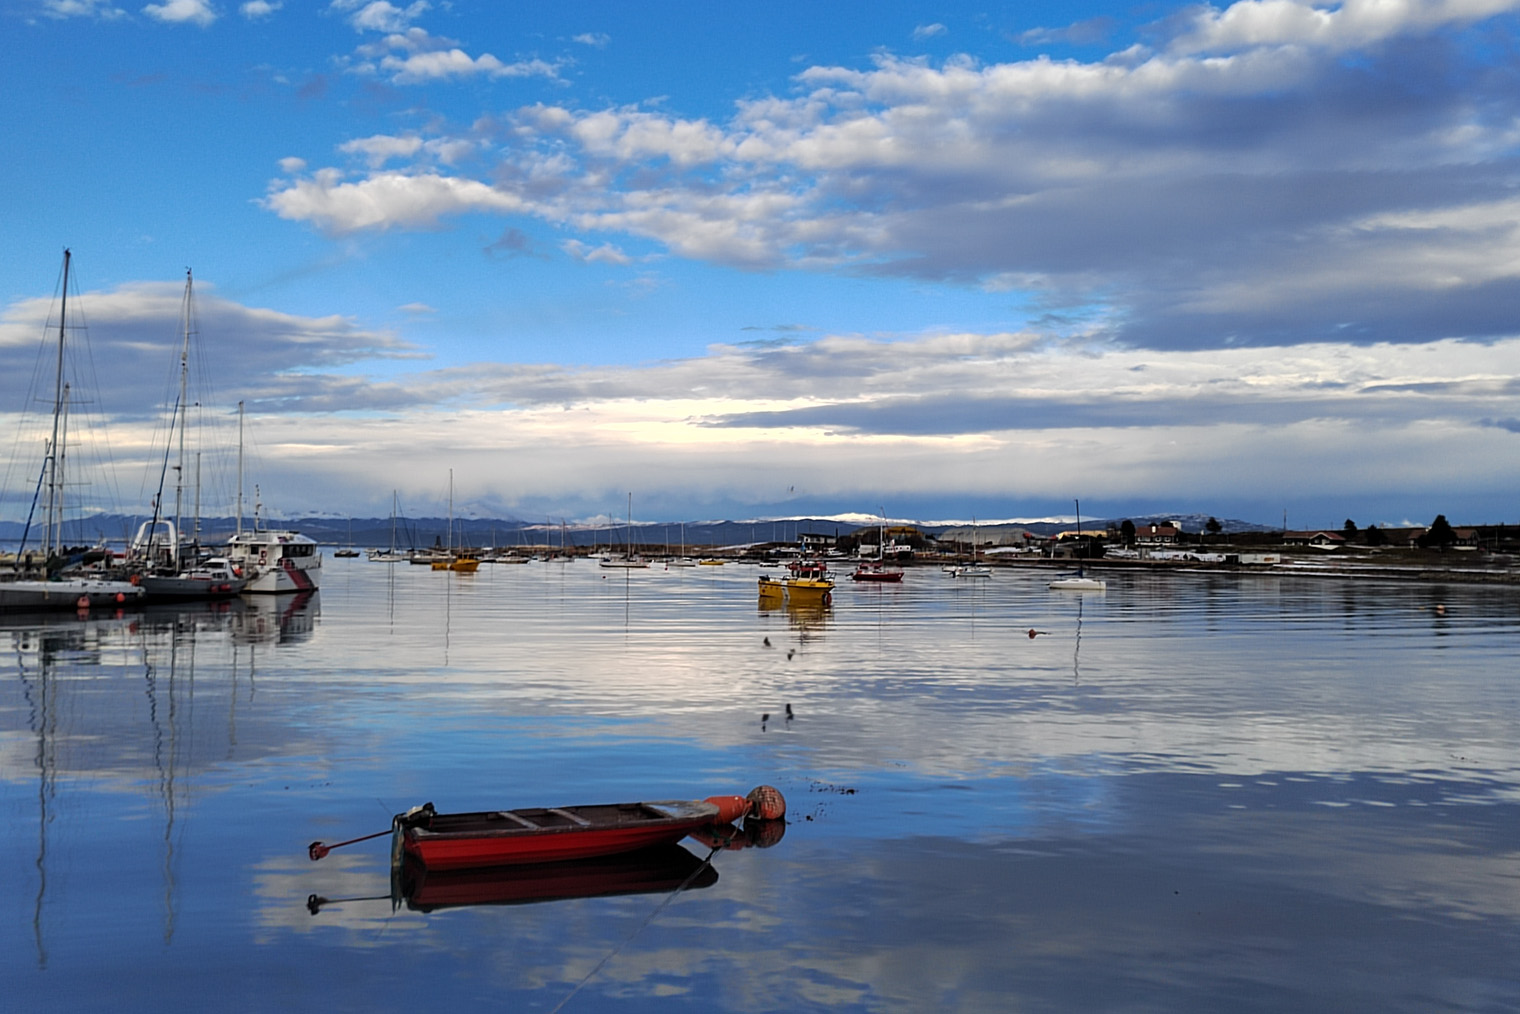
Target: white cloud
[(1246, 183), (386, 200), (1348, 25), (199, 12), (379, 16), (259, 8), (415, 57), (381, 148), (929, 31), (604, 254), (101, 9), (599, 40)]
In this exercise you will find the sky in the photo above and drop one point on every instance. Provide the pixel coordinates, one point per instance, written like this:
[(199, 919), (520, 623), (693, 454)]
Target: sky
[(690, 261)]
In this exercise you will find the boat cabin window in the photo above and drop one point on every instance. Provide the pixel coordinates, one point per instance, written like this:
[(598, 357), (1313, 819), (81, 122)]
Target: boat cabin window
[(299, 549)]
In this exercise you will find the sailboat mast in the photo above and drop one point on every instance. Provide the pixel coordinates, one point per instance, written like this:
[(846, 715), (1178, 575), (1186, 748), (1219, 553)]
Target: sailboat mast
[(240, 471), (55, 486), (179, 468), (60, 469)]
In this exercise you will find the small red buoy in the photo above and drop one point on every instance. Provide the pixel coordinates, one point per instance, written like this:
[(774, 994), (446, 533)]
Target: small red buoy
[(83, 602), (1032, 632), (767, 803), (120, 597)]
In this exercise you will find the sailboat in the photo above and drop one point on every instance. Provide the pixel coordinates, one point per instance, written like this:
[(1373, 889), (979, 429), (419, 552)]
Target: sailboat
[(462, 562), (281, 560), (875, 570), (348, 552), (1080, 582), (683, 560), (628, 561), (162, 564), (51, 590), (391, 555), (974, 568)]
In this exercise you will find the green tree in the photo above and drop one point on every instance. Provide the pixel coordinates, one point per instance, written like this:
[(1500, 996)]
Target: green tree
[(1439, 535), (1349, 528), (1374, 536), (1214, 527), (1127, 532)]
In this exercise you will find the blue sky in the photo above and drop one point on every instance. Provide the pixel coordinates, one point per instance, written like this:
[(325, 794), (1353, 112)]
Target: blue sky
[(940, 260)]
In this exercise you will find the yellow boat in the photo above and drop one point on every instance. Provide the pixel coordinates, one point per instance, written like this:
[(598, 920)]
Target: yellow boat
[(797, 591)]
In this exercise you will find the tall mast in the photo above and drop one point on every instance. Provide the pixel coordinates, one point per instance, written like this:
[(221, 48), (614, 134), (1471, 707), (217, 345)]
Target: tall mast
[(240, 471), (55, 484), (60, 467), (179, 468)]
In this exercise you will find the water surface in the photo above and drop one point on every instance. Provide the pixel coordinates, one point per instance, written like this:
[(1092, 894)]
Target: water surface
[(1190, 793)]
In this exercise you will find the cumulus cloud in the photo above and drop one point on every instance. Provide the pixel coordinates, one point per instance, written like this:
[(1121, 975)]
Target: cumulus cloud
[(102, 9), (135, 330), (198, 12), (378, 15), (604, 254), (599, 40), (413, 56), (1243, 182), (387, 200), (255, 9)]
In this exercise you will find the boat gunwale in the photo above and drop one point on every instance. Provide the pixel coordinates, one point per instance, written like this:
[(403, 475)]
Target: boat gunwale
[(473, 824)]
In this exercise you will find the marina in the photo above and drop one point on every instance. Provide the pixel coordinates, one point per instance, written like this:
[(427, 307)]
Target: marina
[(1193, 792)]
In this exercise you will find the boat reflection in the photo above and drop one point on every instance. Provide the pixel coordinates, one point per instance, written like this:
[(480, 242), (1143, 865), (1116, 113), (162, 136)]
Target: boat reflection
[(282, 619), (805, 617), (661, 869)]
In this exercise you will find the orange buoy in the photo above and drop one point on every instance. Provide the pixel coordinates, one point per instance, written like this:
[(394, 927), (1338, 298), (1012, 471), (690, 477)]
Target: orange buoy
[(83, 602), (766, 803), (120, 597)]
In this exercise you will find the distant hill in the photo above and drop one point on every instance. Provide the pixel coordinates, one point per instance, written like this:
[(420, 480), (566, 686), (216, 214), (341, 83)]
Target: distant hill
[(428, 531)]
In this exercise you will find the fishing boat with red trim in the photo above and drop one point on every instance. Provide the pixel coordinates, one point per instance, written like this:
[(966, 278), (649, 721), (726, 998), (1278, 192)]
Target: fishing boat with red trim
[(280, 561), (459, 841)]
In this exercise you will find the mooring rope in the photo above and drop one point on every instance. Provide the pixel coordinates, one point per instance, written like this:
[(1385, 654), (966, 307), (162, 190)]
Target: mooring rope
[(636, 930)]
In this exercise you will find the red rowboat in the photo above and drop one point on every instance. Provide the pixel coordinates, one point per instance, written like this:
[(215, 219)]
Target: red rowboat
[(458, 841)]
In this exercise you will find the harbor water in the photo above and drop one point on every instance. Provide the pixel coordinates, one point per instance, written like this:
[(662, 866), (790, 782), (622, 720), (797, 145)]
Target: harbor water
[(1188, 793)]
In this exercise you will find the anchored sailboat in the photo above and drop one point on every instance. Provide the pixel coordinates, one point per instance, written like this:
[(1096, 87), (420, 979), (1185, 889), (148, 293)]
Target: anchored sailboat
[(37, 580)]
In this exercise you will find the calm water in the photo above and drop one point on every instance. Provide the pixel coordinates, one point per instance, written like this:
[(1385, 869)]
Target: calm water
[(1188, 794)]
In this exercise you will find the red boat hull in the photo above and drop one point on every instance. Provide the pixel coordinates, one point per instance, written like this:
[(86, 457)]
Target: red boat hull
[(509, 838)]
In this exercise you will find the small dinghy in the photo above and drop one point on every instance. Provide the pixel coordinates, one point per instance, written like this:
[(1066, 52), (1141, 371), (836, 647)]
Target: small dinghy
[(462, 841)]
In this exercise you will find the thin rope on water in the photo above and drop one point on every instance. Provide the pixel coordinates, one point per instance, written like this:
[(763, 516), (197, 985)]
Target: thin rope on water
[(636, 931)]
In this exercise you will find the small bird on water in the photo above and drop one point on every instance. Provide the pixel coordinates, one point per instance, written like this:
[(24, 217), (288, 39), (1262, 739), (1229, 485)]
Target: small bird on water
[(789, 713)]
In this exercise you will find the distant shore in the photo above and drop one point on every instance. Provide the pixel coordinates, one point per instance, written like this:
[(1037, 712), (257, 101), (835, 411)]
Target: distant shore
[(1493, 571)]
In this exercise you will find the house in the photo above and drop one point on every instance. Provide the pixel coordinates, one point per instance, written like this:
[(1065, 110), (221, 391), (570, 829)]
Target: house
[(1164, 534), (1318, 540)]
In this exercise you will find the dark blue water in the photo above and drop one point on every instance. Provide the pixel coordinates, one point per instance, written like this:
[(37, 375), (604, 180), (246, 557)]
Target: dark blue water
[(1187, 794)]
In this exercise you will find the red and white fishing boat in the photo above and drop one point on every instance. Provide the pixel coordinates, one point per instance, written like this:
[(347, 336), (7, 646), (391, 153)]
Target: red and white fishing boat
[(279, 561)]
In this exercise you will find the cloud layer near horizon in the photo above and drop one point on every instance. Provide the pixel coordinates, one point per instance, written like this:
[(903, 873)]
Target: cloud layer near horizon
[(1014, 415)]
